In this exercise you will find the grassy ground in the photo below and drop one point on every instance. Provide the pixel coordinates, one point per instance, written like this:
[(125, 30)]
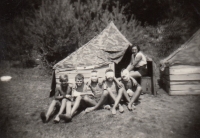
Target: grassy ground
[(26, 95)]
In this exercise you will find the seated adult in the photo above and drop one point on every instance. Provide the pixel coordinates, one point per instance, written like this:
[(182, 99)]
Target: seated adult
[(138, 64)]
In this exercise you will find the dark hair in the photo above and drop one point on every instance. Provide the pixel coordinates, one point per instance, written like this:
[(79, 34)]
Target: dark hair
[(94, 71), (79, 77), (109, 70), (138, 48), (63, 77)]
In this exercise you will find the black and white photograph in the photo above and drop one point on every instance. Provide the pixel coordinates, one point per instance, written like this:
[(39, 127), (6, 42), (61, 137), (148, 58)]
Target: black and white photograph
[(100, 69)]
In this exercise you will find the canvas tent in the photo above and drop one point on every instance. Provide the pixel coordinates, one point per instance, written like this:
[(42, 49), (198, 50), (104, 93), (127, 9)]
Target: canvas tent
[(180, 71), (104, 51)]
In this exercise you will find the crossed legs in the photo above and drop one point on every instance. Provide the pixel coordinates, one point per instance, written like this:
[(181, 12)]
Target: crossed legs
[(102, 100), (135, 97)]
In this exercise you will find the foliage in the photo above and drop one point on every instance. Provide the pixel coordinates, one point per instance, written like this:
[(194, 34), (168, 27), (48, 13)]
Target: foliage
[(57, 28)]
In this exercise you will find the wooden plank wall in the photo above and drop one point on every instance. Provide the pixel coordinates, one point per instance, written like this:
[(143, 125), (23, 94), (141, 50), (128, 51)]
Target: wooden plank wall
[(86, 73), (181, 80)]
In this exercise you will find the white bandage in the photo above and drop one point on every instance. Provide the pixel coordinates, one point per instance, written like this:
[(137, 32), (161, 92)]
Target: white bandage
[(125, 75), (109, 74)]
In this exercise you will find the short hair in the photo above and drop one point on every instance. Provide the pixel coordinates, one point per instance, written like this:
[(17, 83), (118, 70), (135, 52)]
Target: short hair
[(63, 77), (94, 71), (79, 77), (109, 70), (138, 48)]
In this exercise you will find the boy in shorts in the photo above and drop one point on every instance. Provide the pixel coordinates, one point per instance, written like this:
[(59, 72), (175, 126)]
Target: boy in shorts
[(132, 88), (82, 93), (111, 94), (62, 92), (96, 85)]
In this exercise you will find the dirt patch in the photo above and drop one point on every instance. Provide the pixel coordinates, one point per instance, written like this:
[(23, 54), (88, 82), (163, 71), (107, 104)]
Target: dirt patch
[(26, 95)]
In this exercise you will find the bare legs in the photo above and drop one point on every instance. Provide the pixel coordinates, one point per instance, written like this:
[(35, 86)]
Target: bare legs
[(62, 108), (117, 100), (102, 100), (71, 111), (135, 74), (135, 97), (45, 117)]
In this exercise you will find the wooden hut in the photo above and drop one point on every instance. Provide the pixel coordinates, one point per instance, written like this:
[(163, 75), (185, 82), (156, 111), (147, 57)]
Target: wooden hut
[(180, 71)]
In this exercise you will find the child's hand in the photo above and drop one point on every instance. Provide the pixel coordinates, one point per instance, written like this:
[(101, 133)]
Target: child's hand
[(68, 96), (120, 85)]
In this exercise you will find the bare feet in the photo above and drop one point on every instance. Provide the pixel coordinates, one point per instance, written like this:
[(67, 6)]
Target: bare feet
[(57, 119), (66, 118), (121, 109), (87, 110), (108, 107), (113, 111), (43, 117), (131, 107)]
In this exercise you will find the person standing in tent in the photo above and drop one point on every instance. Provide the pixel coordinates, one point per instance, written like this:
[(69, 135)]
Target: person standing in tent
[(138, 64)]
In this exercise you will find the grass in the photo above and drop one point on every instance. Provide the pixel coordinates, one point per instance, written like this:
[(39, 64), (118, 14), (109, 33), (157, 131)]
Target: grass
[(26, 95)]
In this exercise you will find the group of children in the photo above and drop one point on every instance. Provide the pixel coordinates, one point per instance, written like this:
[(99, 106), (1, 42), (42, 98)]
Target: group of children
[(93, 95)]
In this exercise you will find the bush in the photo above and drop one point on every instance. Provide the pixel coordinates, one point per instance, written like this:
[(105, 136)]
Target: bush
[(57, 28)]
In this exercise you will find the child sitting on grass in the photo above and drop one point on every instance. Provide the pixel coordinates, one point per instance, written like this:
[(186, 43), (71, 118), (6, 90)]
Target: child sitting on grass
[(111, 94), (133, 89), (96, 85), (81, 93), (62, 92)]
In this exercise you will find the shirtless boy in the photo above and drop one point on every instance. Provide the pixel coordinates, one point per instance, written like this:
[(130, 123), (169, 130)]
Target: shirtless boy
[(60, 99), (111, 94), (131, 86), (81, 93)]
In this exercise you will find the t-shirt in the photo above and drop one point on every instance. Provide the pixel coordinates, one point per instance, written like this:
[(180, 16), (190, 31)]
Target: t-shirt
[(142, 62)]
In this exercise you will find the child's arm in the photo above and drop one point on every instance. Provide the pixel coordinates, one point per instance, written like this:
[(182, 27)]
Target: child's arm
[(135, 83), (69, 92), (119, 84), (136, 61), (57, 94), (91, 88), (88, 84)]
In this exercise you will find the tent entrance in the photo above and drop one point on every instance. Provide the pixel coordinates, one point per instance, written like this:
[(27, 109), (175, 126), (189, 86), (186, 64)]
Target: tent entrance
[(123, 63)]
